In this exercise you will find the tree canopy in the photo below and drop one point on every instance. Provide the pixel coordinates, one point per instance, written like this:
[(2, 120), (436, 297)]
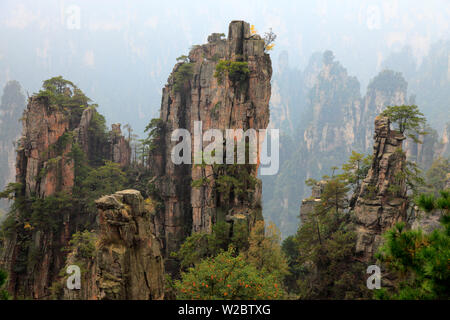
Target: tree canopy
[(408, 120)]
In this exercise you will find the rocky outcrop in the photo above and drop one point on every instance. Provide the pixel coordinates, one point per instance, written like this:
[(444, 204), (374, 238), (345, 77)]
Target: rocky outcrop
[(193, 93), (120, 148), (388, 88), (308, 204), (382, 200), (446, 141), (336, 121), (45, 167), (335, 108), (127, 263), (11, 109)]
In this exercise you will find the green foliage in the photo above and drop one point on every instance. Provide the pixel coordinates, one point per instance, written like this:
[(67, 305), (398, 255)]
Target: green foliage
[(32, 212), (201, 245), (11, 190), (325, 259), (292, 254), (47, 213), (428, 202), (310, 182), (154, 130), (61, 93), (321, 255), (409, 120), (265, 252), (83, 244), (183, 58), (182, 75), (227, 276), (412, 176), (98, 139), (231, 181), (235, 180), (420, 261), (356, 169), (237, 71), (260, 251), (4, 295), (334, 196), (101, 181)]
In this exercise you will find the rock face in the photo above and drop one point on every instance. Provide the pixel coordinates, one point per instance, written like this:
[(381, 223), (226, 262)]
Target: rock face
[(335, 121), (200, 96), (45, 168), (42, 128), (120, 148), (388, 88), (382, 199), (127, 263), (335, 110), (307, 207), (11, 108)]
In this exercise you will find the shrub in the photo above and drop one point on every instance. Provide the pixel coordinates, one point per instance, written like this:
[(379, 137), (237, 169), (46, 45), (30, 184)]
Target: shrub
[(182, 75), (229, 277), (237, 71), (83, 243)]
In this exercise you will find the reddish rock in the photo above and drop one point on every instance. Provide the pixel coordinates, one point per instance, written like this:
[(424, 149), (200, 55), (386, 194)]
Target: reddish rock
[(34, 257)]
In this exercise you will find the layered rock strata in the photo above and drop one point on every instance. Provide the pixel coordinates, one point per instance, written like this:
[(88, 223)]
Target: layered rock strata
[(127, 263), (382, 200), (194, 93)]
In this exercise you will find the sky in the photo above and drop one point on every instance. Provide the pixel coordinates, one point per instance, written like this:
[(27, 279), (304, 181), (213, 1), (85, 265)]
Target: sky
[(120, 53)]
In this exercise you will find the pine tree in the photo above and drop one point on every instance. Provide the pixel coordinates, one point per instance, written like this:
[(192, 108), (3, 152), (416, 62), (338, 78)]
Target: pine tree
[(419, 260)]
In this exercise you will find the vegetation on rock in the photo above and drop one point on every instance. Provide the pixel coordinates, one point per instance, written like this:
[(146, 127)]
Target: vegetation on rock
[(408, 120), (236, 71), (419, 260)]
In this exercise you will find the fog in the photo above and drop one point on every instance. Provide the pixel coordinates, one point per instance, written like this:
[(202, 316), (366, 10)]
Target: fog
[(120, 53)]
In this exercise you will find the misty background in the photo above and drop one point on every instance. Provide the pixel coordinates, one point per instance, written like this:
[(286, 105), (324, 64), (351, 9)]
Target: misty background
[(120, 53)]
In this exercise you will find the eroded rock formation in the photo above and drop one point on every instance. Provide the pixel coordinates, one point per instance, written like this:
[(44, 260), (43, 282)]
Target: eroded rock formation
[(11, 108), (219, 104), (382, 200), (127, 263), (120, 148), (33, 250), (308, 204)]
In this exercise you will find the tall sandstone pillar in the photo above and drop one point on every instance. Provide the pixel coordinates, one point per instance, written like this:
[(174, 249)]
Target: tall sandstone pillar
[(219, 105), (382, 199)]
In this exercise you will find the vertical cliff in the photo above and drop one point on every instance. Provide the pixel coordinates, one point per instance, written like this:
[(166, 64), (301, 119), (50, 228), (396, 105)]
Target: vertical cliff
[(334, 110), (11, 108), (125, 261), (194, 93), (58, 126), (388, 88), (382, 200)]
